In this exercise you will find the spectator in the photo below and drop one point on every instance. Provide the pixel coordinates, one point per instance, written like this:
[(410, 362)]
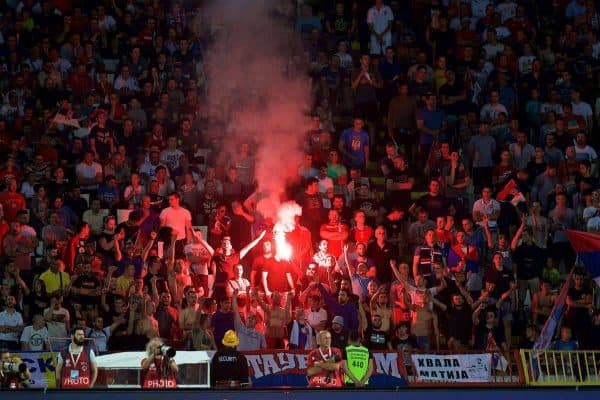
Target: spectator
[(342, 307), (168, 317), (431, 124), (277, 319), (504, 83), (11, 201), (55, 279), (250, 338), (58, 321), (11, 324), (354, 143), (482, 148), (35, 336)]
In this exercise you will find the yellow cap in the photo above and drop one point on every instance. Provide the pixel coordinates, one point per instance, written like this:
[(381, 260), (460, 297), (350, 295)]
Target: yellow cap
[(230, 339)]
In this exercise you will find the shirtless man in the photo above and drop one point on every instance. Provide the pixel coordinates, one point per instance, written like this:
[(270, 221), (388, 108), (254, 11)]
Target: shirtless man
[(277, 318), (146, 325), (187, 316)]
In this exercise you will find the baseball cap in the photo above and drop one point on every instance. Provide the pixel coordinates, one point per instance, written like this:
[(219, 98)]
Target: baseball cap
[(338, 319)]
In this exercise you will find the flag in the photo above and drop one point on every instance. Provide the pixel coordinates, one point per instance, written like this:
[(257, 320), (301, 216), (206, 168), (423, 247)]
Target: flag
[(64, 116), (587, 246), (543, 341), (510, 189)]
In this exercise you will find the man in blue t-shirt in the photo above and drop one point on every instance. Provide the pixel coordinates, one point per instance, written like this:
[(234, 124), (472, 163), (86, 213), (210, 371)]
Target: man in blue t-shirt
[(354, 145), (431, 123)]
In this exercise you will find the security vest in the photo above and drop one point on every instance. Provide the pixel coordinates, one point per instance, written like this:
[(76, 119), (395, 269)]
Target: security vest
[(357, 359)]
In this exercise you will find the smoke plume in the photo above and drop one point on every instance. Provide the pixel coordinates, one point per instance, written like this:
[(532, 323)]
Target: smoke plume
[(253, 92)]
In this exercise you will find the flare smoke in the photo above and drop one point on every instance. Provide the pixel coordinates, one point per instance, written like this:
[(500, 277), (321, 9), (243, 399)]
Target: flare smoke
[(253, 94)]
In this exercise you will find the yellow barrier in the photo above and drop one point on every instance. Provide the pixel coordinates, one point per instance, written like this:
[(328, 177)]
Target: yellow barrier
[(561, 368)]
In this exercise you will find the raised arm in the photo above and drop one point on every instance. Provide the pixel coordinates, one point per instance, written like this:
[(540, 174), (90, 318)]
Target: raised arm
[(263, 304), (464, 293), (118, 253), (251, 245), (515, 242), (131, 320), (237, 320), (327, 298), (170, 262), (155, 294), (148, 246), (204, 243), (288, 307), (349, 272), (488, 234), (330, 280)]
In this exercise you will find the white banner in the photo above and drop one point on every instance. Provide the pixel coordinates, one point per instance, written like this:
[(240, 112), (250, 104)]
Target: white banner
[(452, 367), (133, 359)]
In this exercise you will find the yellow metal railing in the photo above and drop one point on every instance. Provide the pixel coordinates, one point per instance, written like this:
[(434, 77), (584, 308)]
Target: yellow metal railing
[(561, 368)]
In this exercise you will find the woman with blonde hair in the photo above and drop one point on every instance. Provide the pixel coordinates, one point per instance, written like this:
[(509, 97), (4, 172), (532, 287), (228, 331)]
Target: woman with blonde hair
[(159, 367)]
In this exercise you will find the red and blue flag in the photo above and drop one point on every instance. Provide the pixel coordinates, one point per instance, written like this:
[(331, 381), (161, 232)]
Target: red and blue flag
[(587, 246)]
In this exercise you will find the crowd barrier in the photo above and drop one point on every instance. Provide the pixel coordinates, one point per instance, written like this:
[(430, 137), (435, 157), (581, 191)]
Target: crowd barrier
[(561, 368), (287, 368)]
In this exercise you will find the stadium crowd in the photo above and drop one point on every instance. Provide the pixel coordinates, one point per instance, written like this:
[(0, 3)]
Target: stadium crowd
[(450, 145)]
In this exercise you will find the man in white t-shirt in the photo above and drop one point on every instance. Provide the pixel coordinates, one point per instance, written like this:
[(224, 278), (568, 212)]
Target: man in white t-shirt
[(486, 207), (35, 336), (526, 60), (325, 186), (177, 218), (88, 172), (492, 46), (316, 314), (58, 321), (582, 108), (380, 18), (11, 325)]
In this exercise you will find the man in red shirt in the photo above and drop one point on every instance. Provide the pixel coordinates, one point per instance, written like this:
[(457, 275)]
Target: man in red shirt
[(324, 364), (11, 201), (79, 81), (335, 232)]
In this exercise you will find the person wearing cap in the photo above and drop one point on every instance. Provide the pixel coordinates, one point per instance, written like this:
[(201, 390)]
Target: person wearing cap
[(324, 364), (229, 367), (339, 335)]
